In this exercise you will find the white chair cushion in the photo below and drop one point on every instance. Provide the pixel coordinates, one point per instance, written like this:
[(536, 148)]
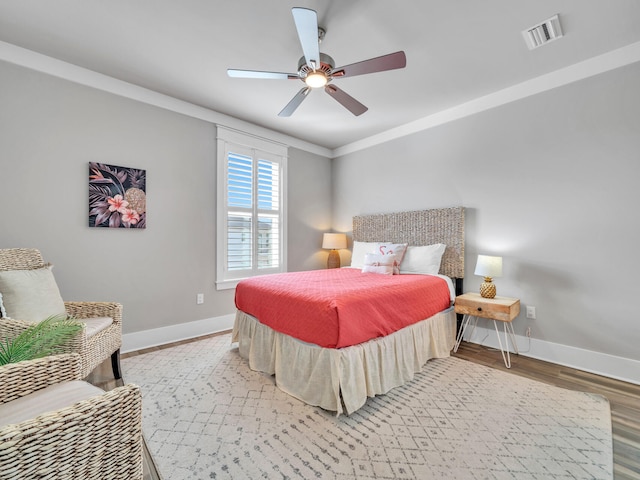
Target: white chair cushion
[(48, 399), (95, 325)]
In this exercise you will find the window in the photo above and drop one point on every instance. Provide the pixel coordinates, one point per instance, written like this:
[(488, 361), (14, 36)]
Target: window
[(251, 232)]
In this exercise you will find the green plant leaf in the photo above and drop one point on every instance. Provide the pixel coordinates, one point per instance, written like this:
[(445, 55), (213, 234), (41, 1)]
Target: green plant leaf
[(39, 340)]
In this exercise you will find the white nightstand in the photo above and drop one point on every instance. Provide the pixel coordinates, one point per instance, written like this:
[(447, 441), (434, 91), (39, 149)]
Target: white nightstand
[(498, 309)]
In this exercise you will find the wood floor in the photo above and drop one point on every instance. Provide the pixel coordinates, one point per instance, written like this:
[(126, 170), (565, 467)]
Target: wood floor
[(624, 399)]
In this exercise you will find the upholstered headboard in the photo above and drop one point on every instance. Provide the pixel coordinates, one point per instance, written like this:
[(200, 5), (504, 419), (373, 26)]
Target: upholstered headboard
[(422, 227)]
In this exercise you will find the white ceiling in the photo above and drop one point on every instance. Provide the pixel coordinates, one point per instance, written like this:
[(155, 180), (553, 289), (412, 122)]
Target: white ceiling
[(457, 51)]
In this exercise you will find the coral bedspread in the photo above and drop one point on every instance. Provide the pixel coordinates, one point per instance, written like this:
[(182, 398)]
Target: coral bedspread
[(341, 307)]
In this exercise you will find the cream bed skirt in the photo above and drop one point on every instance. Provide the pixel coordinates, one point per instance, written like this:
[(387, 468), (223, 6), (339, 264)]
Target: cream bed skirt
[(340, 380)]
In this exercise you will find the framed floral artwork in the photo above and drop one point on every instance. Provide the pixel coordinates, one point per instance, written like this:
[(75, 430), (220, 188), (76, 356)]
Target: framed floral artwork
[(117, 196)]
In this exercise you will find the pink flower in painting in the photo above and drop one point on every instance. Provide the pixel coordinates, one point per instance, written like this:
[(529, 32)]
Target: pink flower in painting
[(130, 217), (117, 204)]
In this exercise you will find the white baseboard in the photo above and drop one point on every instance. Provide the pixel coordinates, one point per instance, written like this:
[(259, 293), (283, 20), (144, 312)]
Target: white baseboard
[(174, 333), (620, 368)]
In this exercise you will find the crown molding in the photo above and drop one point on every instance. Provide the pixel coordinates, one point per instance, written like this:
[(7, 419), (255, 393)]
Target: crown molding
[(564, 76), (42, 63)]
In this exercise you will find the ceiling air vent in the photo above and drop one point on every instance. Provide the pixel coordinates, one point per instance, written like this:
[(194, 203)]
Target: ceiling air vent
[(543, 33)]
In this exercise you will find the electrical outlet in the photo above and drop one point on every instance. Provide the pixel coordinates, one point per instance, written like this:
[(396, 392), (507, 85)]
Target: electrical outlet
[(529, 332), (531, 312), (200, 298)]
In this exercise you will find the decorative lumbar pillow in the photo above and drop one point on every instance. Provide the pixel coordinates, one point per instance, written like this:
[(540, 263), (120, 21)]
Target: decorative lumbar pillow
[(397, 249), (424, 260), (360, 249), (30, 295), (376, 263)]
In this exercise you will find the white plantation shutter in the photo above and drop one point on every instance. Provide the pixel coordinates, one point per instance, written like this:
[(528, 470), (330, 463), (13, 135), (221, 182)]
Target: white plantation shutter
[(251, 219), (239, 212), (268, 188)]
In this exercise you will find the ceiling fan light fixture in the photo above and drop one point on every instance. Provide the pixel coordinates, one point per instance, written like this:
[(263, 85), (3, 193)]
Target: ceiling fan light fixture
[(316, 79)]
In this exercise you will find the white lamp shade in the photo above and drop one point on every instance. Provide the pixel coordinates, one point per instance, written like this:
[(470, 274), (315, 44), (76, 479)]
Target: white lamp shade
[(488, 266), (334, 241)]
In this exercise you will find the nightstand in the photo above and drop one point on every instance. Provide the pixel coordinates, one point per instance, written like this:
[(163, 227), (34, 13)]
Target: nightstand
[(498, 309)]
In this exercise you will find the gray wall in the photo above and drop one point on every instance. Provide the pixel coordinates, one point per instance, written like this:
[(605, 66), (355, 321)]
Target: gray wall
[(550, 183), (50, 129), (309, 215)]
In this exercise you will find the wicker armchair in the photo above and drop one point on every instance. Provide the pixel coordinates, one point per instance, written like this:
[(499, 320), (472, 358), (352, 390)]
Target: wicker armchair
[(96, 436), (92, 348)]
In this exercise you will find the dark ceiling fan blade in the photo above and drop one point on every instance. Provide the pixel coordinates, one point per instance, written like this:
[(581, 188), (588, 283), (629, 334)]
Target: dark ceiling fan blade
[(307, 25), (295, 102), (378, 64), (257, 74), (346, 100)]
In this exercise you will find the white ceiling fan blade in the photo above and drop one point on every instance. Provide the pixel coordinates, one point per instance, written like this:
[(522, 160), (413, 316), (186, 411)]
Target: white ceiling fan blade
[(295, 102), (378, 64), (307, 25), (346, 100), (257, 74)]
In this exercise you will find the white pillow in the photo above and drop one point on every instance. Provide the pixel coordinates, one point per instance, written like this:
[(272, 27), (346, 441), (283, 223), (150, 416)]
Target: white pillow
[(424, 260), (376, 263), (30, 295), (360, 249)]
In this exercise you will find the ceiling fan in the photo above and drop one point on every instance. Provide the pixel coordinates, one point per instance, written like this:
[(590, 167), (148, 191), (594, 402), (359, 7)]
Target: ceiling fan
[(317, 69)]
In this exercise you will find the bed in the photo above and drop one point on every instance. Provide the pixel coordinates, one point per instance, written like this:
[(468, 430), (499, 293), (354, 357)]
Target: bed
[(321, 358)]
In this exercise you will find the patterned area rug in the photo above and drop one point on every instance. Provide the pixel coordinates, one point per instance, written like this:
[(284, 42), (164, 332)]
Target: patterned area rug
[(206, 415)]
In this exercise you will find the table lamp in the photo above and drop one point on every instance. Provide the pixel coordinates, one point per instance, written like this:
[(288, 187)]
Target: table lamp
[(334, 241), (488, 267)]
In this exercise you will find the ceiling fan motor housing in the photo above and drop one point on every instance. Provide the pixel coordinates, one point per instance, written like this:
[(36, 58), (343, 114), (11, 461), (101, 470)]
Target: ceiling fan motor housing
[(326, 66)]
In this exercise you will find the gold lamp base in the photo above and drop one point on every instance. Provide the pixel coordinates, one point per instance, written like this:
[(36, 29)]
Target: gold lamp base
[(487, 288), (334, 259)]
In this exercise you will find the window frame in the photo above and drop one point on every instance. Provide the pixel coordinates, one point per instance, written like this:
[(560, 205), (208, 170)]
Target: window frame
[(233, 141)]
